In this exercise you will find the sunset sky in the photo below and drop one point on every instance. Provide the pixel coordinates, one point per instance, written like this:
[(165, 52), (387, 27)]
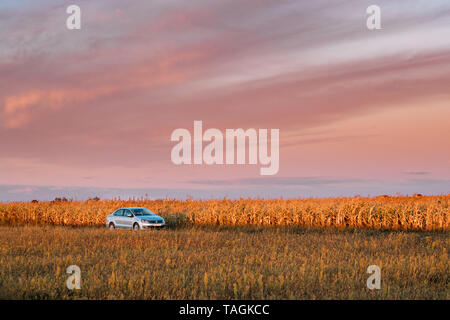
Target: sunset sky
[(90, 112)]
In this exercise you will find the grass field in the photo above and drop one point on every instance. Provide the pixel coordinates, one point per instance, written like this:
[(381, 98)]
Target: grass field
[(222, 263), (255, 250)]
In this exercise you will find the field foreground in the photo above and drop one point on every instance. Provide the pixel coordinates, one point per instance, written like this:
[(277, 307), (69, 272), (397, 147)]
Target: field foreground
[(222, 263)]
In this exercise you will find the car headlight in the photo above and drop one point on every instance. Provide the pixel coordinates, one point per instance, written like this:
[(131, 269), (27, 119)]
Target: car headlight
[(145, 221)]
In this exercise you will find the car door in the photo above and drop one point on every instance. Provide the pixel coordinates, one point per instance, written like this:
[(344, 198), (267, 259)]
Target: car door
[(128, 221), (118, 217)]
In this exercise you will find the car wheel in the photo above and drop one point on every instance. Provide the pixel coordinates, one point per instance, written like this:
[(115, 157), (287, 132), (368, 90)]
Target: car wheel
[(111, 226), (136, 227)]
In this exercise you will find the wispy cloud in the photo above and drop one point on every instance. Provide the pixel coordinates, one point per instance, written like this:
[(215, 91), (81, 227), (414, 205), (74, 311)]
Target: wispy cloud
[(298, 187), (21, 190), (417, 173), (281, 181)]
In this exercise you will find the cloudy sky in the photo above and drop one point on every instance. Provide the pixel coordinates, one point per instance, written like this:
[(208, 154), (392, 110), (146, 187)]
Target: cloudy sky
[(90, 112)]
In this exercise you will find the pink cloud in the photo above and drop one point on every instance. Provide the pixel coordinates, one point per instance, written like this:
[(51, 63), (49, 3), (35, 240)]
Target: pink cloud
[(87, 101)]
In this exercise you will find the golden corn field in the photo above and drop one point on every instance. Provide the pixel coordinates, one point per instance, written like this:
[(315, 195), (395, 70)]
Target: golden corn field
[(225, 249), (222, 263), (390, 213)]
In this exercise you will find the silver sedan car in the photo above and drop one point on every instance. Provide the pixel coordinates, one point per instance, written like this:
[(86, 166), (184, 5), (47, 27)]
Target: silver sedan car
[(135, 218)]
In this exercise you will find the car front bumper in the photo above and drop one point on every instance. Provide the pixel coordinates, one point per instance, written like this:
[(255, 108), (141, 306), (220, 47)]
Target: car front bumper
[(153, 225)]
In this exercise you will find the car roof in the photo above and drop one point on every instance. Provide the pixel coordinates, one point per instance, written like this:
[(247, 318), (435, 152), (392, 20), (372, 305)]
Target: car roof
[(133, 208)]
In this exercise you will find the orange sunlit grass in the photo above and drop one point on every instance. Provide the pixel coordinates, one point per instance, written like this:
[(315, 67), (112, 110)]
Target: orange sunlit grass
[(391, 213)]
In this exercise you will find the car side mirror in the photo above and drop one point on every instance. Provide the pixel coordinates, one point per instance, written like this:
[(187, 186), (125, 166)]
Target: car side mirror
[(130, 215)]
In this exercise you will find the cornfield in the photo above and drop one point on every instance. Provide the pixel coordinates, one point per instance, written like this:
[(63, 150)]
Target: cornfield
[(391, 213), (197, 258), (233, 263)]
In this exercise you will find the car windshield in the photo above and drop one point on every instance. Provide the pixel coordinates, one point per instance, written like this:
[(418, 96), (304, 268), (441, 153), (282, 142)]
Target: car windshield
[(142, 212)]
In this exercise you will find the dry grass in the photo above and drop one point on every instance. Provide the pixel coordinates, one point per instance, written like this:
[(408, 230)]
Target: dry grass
[(243, 249), (222, 263), (392, 213)]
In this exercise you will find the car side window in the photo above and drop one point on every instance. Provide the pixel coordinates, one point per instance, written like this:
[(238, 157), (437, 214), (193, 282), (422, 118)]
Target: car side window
[(126, 213), (118, 212)]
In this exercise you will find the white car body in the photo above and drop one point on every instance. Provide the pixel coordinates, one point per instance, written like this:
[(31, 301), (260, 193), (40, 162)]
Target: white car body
[(134, 217)]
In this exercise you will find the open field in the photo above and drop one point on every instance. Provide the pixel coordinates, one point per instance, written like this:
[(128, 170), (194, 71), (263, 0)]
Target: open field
[(222, 263), (388, 213), (243, 249)]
